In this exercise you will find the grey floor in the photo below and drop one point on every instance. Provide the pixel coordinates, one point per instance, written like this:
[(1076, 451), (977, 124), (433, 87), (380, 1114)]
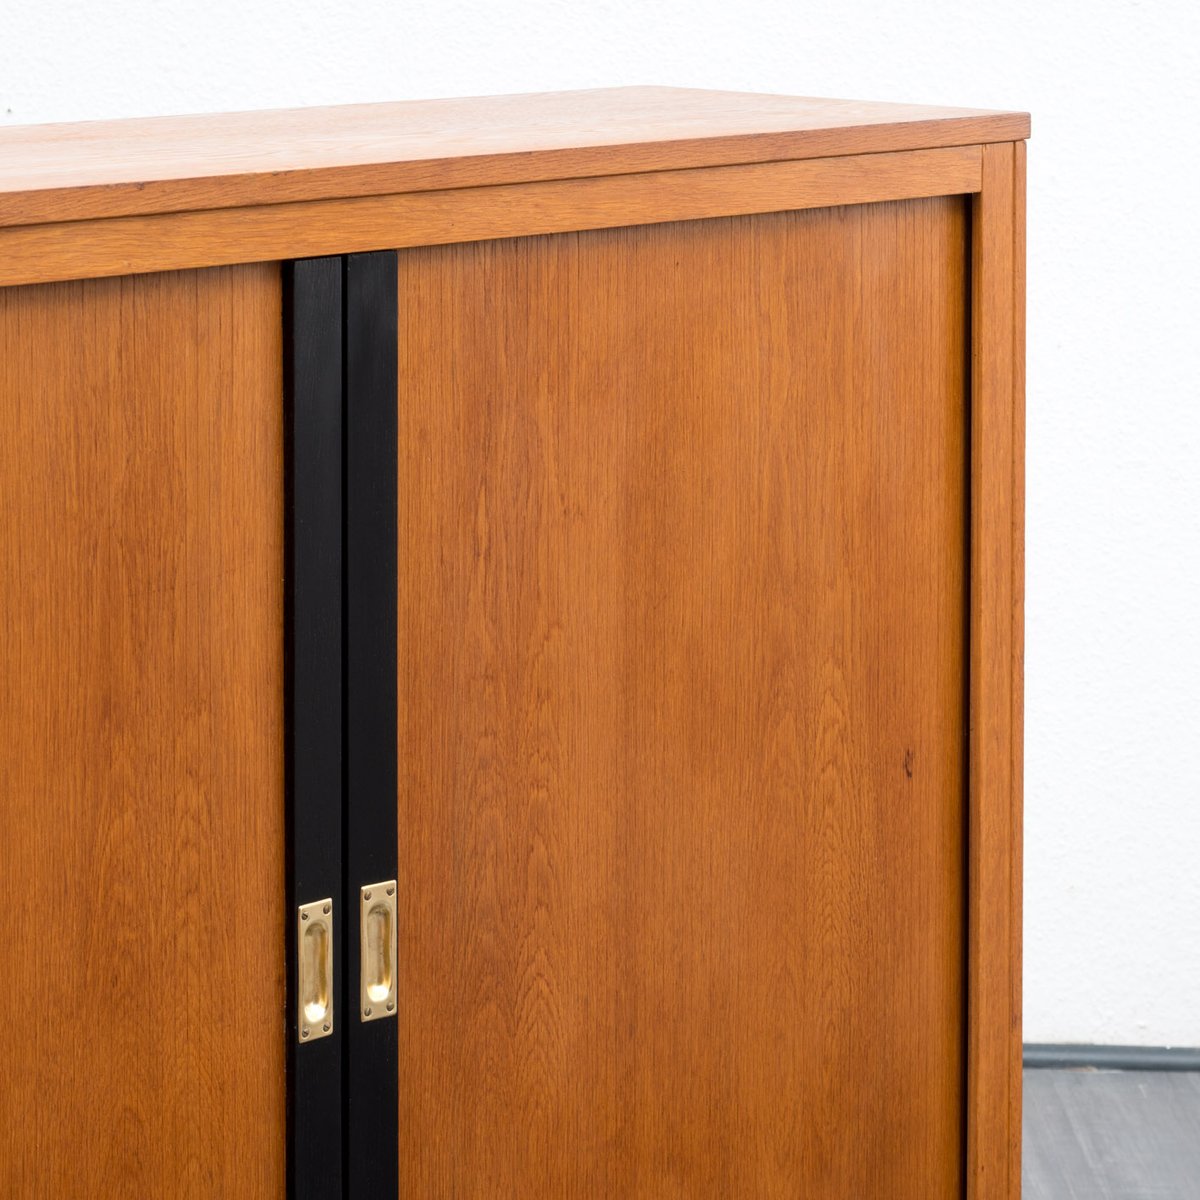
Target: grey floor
[(1111, 1135)]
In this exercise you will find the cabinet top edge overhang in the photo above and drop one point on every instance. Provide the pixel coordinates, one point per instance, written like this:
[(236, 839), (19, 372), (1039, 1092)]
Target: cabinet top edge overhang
[(98, 169)]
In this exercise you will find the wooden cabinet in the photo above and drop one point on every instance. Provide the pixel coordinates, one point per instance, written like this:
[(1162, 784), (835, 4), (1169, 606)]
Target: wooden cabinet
[(512, 637)]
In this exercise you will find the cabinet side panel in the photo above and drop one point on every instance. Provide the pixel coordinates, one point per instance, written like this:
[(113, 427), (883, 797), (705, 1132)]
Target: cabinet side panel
[(997, 677), (681, 709), (141, 737)]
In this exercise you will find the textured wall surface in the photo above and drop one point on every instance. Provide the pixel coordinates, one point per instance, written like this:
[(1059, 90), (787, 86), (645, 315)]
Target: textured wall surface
[(1113, 703)]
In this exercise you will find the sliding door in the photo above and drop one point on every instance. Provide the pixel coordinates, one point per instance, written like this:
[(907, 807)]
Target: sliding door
[(141, 737), (681, 660)]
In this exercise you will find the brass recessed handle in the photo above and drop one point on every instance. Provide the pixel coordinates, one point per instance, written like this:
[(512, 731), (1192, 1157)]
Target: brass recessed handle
[(377, 950), (314, 958)]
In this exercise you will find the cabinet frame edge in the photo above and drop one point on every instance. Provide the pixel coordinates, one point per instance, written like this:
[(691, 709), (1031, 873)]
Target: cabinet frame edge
[(996, 677), (219, 237)]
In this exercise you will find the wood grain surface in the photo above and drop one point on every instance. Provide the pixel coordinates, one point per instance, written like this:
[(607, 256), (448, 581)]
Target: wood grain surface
[(682, 731), (996, 677), (141, 862), (128, 245), (172, 164)]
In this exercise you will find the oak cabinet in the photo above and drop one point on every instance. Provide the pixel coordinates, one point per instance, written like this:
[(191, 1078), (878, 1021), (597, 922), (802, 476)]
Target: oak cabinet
[(512, 621)]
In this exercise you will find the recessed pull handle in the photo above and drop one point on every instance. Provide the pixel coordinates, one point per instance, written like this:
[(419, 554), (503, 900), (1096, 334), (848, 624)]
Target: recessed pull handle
[(314, 956), (377, 950)]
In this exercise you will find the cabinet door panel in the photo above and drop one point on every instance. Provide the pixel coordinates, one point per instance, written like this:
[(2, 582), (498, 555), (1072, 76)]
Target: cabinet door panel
[(681, 709), (141, 737)]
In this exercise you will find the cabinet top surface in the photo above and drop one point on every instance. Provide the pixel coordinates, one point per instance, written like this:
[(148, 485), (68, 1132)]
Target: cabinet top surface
[(169, 164)]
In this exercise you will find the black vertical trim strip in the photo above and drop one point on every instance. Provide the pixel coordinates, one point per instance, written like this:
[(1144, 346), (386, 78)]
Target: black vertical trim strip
[(370, 1064), (313, 688)]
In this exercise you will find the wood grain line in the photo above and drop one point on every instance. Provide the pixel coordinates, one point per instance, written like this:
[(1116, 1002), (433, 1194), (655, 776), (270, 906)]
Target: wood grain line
[(133, 245)]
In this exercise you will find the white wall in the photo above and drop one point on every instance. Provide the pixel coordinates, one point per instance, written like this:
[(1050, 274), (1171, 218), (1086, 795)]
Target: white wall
[(1113, 758)]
